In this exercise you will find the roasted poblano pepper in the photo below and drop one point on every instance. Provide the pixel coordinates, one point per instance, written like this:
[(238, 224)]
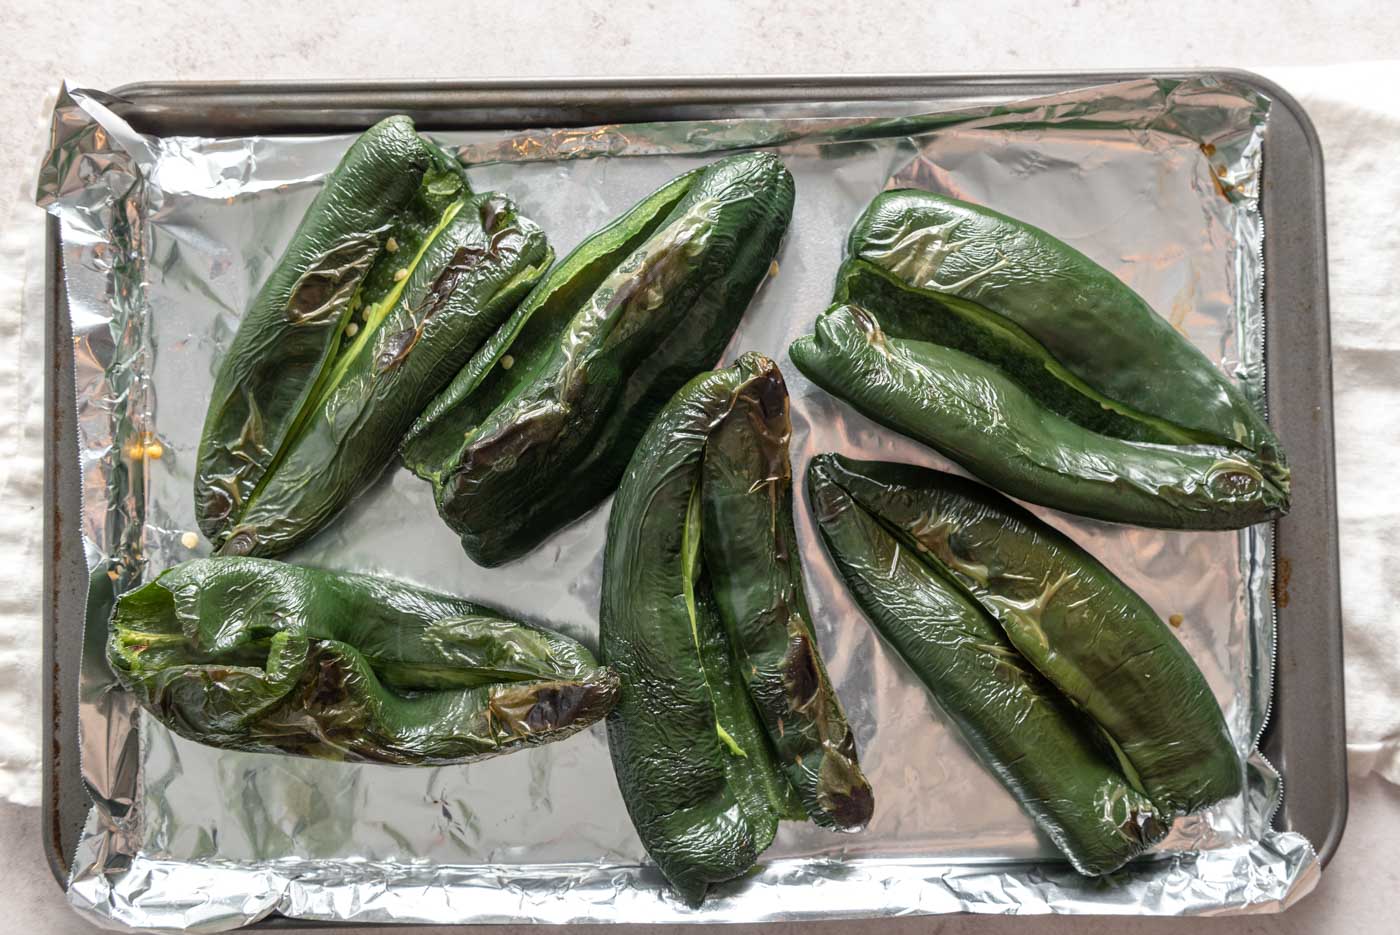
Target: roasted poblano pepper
[(749, 546), (964, 583), (538, 428), (1037, 370), (395, 276), (726, 722), (1082, 628), (254, 654), (970, 411)]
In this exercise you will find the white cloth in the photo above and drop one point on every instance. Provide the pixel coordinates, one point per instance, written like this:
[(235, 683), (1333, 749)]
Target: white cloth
[(22, 485), (1358, 119)]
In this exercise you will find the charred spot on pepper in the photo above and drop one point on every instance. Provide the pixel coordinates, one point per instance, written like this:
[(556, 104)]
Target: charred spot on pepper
[(1143, 825), (849, 808), (846, 745), (242, 542), (312, 295), (396, 349), (801, 677), (506, 240), (332, 279), (766, 402), (655, 274), (331, 686), (843, 794), (502, 449), (466, 258), (771, 390), (511, 708), (559, 704), (218, 504)]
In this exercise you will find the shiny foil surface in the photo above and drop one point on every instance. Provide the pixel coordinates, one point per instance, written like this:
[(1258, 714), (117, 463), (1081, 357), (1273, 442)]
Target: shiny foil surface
[(165, 242)]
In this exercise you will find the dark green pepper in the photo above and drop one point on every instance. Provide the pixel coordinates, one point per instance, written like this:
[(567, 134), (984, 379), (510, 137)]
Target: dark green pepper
[(1047, 754), (973, 413), (720, 731), (755, 572), (1157, 436), (395, 276), (253, 654), (600, 345), (1081, 627)]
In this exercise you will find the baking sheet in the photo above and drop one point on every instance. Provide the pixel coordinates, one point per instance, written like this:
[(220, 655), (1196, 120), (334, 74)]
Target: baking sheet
[(1156, 180)]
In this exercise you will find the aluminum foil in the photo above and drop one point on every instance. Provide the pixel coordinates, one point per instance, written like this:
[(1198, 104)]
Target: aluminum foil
[(165, 241)]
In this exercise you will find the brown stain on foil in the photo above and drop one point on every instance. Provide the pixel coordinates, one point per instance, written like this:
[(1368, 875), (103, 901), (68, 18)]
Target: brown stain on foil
[(1221, 186), (1218, 171), (1282, 576)]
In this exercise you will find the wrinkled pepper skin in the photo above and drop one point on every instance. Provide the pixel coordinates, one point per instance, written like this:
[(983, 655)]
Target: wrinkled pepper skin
[(703, 779), (1045, 753), (1081, 627), (751, 558), (395, 276), (643, 306), (437, 439), (703, 812), (1076, 342), (973, 413), (253, 654)]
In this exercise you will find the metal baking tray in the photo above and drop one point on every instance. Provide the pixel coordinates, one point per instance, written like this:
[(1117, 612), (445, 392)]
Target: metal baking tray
[(1306, 736)]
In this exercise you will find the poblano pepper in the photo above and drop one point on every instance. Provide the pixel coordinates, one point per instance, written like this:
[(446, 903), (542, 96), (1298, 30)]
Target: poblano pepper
[(1099, 643), (750, 555), (538, 428), (726, 721), (973, 413), (1105, 714), (254, 654), (1039, 371), (395, 276)]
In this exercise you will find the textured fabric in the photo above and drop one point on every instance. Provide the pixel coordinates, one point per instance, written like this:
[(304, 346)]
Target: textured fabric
[(21, 499), (1358, 118)]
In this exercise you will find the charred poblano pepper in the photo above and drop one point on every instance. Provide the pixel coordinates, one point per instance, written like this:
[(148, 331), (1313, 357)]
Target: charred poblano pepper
[(396, 275), (1037, 370), (726, 721), (1063, 680), (253, 654), (1071, 618), (538, 428), (755, 573), (973, 413)]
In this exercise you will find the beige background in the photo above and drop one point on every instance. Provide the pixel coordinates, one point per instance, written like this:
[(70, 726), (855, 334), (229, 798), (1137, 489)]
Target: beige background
[(108, 44)]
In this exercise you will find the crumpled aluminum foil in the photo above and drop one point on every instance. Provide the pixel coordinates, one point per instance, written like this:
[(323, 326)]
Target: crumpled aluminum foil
[(165, 241)]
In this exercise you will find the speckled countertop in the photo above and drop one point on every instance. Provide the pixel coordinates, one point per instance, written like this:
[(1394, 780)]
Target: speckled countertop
[(108, 44)]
